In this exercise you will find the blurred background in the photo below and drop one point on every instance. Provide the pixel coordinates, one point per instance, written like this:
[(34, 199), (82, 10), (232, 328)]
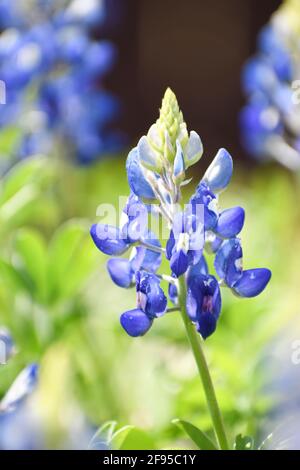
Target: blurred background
[(82, 82)]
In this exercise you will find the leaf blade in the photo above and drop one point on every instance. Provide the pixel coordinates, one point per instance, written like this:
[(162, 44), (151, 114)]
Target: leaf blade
[(195, 434)]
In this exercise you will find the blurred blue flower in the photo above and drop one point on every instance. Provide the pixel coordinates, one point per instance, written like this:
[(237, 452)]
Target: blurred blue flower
[(270, 120), (7, 345), (22, 426), (53, 68), (21, 429), (23, 386)]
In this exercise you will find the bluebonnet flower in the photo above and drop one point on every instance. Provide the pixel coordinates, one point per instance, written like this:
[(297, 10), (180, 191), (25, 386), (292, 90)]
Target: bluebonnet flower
[(270, 121), (186, 241), (151, 303), (19, 429), (133, 234), (122, 271), (24, 427), (52, 68), (229, 267), (204, 303), (156, 170)]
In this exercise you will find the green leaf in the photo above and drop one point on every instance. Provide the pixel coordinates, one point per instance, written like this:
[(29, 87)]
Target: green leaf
[(137, 439), (119, 436), (9, 140), (24, 192), (31, 258), (197, 436), (36, 170), (10, 277), (14, 210), (243, 442), (71, 259)]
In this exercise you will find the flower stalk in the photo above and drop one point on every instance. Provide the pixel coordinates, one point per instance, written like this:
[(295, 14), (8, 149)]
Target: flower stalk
[(210, 395)]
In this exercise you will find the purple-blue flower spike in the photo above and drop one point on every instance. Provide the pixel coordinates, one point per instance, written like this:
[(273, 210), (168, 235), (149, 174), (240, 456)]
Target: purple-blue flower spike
[(157, 169)]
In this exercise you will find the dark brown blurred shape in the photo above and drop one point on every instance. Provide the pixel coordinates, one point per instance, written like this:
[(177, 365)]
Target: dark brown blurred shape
[(198, 48)]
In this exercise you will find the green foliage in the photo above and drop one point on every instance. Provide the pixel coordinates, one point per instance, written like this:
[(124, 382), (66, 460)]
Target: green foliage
[(48, 277), (25, 194), (243, 443), (198, 437), (9, 138)]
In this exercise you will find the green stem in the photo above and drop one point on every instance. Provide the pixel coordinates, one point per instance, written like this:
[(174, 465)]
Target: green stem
[(195, 342)]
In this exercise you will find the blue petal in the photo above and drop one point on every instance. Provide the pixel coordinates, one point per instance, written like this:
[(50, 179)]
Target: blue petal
[(203, 196), (283, 66), (178, 226), (215, 244), (147, 156), (252, 282), (195, 224), (173, 294), (120, 271), (135, 322), (170, 245), (199, 268), (151, 261), (206, 325), (219, 172), (145, 258), (156, 302), (203, 297), (179, 263), (137, 216), (108, 239), (283, 98), (268, 40), (193, 301), (228, 261), (152, 298), (230, 222), (194, 256), (258, 75), (136, 179), (178, 171), (193, 150), (258, 122)]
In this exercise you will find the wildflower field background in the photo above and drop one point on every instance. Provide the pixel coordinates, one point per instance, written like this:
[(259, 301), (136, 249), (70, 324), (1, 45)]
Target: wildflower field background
[(64, 141)]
